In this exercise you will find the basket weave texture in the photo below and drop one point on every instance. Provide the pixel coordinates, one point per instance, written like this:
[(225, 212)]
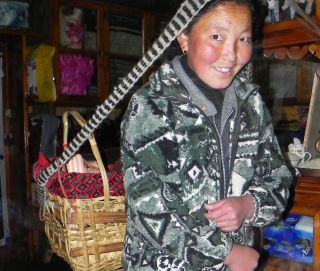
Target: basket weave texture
[(87, 233)]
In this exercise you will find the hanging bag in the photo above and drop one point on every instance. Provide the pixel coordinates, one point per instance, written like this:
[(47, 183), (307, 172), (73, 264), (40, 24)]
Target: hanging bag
[(87, 232)]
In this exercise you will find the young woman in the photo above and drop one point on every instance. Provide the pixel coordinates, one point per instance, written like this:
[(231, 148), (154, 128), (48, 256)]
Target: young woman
[(200, 160)]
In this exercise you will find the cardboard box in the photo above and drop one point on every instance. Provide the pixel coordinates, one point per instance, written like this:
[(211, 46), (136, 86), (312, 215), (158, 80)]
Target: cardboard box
[(291, 238)]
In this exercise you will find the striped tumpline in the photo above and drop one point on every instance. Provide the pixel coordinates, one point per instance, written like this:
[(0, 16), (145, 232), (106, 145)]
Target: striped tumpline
[(186, 12)]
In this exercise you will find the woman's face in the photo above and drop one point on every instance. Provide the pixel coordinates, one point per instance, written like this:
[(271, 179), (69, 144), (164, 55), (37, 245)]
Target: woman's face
[(219, 44)]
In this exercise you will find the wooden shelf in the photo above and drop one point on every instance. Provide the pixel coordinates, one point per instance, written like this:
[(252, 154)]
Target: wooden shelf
[(307, 202), (289, 33), (307, 195)]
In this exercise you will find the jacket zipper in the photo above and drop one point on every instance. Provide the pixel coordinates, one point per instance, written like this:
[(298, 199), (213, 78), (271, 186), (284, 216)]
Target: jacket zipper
[(223, 182), (227, 178), (214, 128)]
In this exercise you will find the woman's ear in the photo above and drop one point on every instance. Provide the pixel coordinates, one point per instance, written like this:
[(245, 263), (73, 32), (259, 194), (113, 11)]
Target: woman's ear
[(183, 42)]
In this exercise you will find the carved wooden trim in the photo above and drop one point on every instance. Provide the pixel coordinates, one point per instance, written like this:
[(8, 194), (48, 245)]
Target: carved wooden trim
[(292, 38), (295, 52)]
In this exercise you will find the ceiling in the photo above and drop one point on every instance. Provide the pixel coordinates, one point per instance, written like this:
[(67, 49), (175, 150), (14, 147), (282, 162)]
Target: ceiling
[(167, 7)]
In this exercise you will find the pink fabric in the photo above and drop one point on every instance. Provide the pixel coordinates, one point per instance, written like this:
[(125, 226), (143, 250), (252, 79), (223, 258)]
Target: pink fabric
[(76, 73), (76, 164)]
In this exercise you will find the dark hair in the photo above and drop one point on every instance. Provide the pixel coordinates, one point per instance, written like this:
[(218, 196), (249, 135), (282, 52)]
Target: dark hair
[(212, 5)]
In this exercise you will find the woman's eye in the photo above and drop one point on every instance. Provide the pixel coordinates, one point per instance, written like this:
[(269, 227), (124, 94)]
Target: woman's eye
[(216, 37), (246, 39)]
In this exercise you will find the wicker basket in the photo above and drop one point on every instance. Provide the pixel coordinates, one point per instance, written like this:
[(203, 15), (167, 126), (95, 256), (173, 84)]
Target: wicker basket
[(86, 233)]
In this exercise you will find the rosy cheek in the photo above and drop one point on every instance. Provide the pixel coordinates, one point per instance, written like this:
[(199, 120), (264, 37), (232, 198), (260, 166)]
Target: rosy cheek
[(245, 55), (213, 54)]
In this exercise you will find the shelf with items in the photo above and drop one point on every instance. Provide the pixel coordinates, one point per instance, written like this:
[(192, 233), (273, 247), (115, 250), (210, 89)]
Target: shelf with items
[(297, 41), (79, 63), (18, 41), (99, 42), (293, 42), (16, 109), (131, 33)]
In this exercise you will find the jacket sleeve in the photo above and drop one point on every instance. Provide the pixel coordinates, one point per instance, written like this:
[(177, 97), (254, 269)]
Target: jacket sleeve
[(156, 208), (272, 179)]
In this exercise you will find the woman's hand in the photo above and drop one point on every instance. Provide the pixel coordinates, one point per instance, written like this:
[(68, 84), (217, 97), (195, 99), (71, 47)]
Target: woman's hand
[(242, 258), (230, 213)]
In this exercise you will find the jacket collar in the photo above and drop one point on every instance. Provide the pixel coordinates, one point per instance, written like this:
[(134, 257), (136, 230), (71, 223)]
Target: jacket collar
[(167, 80)]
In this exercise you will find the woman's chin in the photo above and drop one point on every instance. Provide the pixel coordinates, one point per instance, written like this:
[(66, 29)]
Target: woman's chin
[(220, 84)]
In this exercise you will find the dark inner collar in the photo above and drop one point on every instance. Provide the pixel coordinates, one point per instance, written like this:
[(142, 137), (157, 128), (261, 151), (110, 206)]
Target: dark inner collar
[(216, 96)]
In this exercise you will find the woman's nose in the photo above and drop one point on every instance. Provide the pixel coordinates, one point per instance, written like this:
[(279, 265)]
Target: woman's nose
[(230, 52)]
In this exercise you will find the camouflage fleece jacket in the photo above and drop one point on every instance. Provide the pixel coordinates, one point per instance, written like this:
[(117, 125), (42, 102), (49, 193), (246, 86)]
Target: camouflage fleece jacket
[(172, 165)]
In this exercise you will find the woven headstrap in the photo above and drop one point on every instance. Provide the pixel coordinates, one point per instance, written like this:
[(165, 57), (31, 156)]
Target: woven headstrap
[(187, 11)]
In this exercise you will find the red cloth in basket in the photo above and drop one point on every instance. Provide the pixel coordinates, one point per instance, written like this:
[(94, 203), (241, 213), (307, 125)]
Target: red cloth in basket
[(79, 185)]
